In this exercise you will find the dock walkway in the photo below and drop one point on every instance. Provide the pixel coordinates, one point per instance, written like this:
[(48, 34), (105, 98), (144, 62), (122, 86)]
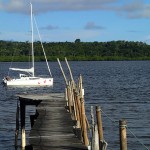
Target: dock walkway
[(53, 128)]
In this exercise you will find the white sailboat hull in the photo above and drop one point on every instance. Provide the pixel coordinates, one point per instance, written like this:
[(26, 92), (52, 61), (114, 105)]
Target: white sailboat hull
[(29, 81)]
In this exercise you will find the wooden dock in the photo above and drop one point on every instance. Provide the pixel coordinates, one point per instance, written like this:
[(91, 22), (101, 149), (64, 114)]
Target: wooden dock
[(60, 121), (53, 128)]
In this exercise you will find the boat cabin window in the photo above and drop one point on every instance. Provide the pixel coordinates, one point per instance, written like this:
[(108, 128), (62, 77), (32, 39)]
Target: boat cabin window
[(23, 75)]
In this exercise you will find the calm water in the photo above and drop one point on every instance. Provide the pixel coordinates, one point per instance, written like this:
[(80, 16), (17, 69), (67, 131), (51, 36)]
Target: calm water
[(121, 88)]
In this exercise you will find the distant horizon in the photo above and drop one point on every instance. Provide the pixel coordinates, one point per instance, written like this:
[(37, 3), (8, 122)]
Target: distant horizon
[(71, 41), (104, 20)]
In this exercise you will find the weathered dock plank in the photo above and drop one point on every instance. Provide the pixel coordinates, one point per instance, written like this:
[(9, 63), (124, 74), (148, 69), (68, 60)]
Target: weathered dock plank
[(53, 128)]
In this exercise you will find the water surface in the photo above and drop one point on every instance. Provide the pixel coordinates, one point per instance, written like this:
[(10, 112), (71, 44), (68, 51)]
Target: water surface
[(121, 88)]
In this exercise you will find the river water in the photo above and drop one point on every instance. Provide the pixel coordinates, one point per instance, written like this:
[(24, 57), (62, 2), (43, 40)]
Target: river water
[(121, 88)]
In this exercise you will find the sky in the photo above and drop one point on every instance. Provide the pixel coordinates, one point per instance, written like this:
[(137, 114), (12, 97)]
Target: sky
[(68, 20)]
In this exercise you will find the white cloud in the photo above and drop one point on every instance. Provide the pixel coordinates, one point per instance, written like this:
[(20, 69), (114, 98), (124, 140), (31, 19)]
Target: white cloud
[(135, 9), (50, 27), (12, 5), (146, 11), (55, 5), (92, 25), (130, 9)]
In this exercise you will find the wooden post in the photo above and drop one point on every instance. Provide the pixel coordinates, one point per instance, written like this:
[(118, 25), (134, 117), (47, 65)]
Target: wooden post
[(81, 87), (62, 71), (87, 122), (96, 138), (22, 118), (92, 119), (83, 116), (69, 99), (66, 97), (100, 128), (123, 136), (77, 109), (93, 124), (70, 71), (74, 113), (17, 126), (85, 135)]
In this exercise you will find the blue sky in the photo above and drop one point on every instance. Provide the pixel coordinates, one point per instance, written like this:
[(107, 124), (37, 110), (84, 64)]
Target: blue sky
[(67, 20)]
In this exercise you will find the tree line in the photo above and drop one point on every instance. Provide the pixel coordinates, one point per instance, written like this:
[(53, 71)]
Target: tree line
[(77, 50)]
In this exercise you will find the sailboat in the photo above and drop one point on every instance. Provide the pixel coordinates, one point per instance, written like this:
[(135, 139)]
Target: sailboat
[(28, 78)]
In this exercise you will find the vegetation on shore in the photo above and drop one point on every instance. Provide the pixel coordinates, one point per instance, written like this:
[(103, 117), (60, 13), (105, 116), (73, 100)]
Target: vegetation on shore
[(113, 50)]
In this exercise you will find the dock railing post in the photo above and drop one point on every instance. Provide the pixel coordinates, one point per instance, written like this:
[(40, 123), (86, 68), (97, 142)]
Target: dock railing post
[(71, 76), (74, 109), (77, 109), (93, 129), (62, 71), (83, 116), (84, 125), (66, 97), (69, 98), (100, 127), (123, 136), (22, 116)]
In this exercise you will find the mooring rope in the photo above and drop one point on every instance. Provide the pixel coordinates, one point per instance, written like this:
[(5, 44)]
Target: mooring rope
[(137, 138), (114, 121)]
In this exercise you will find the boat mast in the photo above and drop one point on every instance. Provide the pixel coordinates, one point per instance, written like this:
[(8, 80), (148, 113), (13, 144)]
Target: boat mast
[(32, 39)]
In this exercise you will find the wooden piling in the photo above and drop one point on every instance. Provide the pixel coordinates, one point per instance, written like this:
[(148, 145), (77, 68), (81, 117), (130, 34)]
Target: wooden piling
[(71, 76), (17, 126), (81, 90), (84, 128), (96, 138), (69, 99), (100, 127), (66, 97), (82, 115), (62, 71), (93, 124), (92, 119), (123, 136), (74, 114), (22, 118), (77, 110)]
